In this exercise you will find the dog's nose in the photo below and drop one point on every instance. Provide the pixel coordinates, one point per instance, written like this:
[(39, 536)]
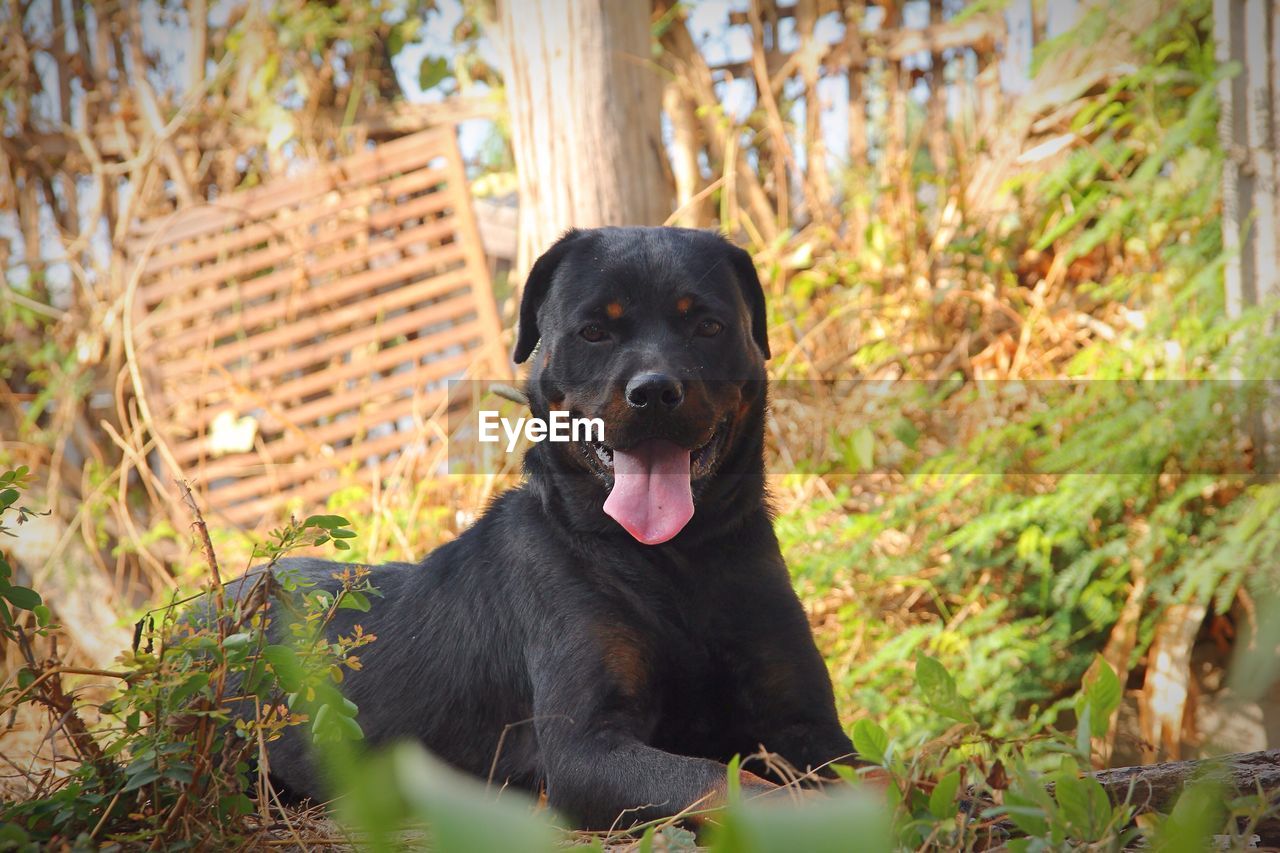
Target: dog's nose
[(653, 390)]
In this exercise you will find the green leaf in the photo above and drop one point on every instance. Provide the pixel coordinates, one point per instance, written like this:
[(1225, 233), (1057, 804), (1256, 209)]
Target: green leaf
[(1198, 814), (1084, 805), (236, 641), (321, 723), (325, 522), (462, 815), (1084, 728), (1104, 693), (864, 447), (235, 805), (12, 836), (939, 688), (25, 678), (349, 728), (181, 773), (352, 600), (195, 681), (43, 616), (7, 497), (144, 776), (432, 71), (23, 598), (942, 802), (288, 668), (870, 740), (1026, 814), (848, 820)]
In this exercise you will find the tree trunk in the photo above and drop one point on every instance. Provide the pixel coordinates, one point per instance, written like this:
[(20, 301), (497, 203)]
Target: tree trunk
[(1015, 67), (936, 109), (585, 107), (859, 161), (1248, 32)]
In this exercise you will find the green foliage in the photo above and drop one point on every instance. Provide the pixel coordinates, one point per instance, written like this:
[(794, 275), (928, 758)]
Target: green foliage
[(171, 754), (939, 689), (823, 824), (1197, 815), (1017, 547), (15, 598), (1099, 699)]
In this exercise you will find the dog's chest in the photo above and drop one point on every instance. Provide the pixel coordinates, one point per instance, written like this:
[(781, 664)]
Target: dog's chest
[(693, 676), (694, 689)]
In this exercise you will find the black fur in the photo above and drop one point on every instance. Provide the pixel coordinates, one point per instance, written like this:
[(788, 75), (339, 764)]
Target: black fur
[(623, 675)]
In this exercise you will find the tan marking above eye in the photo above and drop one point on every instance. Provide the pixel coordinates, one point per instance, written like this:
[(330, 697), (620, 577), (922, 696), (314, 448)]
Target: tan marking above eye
[(684, 303), (613, 310)]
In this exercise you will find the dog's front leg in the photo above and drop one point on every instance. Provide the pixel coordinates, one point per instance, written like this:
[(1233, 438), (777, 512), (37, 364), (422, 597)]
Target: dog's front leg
[(784, 698), (604, 779), (592, 730)]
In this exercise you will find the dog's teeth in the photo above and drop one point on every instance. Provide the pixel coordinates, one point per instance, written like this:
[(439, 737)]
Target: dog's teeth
[(605, 455)]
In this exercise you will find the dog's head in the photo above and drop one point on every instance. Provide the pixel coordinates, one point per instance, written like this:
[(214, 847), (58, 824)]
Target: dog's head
[(660, 333)]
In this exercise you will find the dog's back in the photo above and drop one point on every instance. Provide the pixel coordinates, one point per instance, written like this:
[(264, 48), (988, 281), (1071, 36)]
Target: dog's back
[(445, 668)]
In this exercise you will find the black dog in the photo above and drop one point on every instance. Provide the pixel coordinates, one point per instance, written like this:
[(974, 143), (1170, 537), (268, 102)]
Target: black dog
[(625, 615)]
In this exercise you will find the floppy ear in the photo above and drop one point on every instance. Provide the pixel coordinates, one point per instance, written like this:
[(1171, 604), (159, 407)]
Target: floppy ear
[(535, 292), (753, 293)]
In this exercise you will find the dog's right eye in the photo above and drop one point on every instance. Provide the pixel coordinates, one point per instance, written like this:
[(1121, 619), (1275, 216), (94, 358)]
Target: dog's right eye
[(593, 333)]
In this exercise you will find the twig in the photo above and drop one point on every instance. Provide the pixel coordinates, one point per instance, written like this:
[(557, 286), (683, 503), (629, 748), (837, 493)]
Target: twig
[(61, 670), (206, 545), (105, 814), (497, 752), (694, 200)]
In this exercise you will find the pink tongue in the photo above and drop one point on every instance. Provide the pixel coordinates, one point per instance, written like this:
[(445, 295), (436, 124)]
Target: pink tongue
[(651, 496)]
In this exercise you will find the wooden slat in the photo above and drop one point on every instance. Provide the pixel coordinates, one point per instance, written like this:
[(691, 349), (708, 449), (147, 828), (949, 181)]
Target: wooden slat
[(303, 329), (317, 298), (485, 305), (266, 303), (412, 352), (312, 487), (302, 432), (285, 472), (184, 283), (309, 447), (324, 206), (389, 159), (375, 335)]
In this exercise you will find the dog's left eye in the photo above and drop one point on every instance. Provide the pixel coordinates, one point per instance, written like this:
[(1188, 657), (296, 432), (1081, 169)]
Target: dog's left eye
[(593, 333), (709, 328)]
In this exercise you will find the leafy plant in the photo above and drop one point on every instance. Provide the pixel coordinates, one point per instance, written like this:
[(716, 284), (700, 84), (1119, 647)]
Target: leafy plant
[(13, 597), (171, 755)]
